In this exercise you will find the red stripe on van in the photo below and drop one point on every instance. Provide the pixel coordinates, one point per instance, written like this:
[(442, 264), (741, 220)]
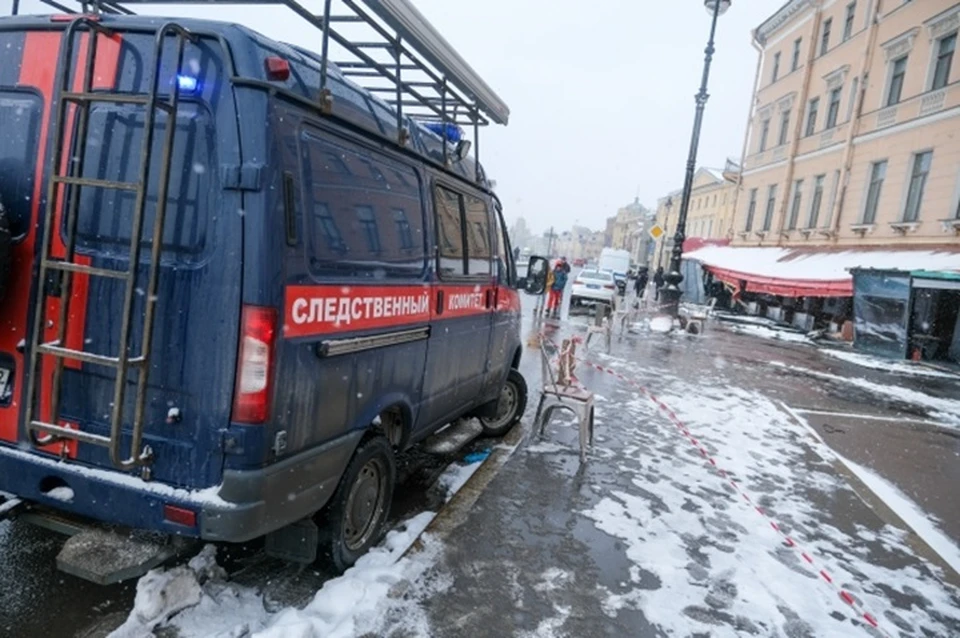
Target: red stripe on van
[(320, 310), (37, 70)]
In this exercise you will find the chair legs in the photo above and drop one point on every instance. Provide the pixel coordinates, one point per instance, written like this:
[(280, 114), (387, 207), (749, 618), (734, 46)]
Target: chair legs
[(582, 409)]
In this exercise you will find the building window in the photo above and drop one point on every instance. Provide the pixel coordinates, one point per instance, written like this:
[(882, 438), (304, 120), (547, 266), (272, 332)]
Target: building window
[(784, 127), (795, 205), (878, 172), (848, 21), (918, 183), (817, 200), (898, 70), (764, 132), (833, 111), (776, 67), (812, 116), (449, 232), (403, 228), (941, 71), (825, 37), (795, 63), (771, 203), (751, 210), (368, 226)]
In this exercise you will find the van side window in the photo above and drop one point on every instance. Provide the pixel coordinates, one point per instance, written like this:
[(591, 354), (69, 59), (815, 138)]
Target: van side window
[(361, 217), (450, 232), (478, 235)]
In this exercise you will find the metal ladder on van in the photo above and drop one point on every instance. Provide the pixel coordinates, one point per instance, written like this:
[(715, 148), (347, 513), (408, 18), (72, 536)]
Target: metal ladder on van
[(42, 433)]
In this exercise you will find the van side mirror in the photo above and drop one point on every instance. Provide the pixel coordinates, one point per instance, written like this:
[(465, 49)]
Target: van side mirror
[(536, 280)]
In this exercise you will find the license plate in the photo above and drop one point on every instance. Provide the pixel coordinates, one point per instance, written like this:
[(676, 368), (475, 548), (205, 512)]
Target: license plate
[(593, 286)]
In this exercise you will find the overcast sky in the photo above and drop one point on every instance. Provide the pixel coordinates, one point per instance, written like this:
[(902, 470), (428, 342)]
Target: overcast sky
[(600, 93)]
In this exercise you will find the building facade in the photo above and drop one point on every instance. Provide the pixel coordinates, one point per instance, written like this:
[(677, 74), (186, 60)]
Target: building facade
[(710, 215), (854, 136), (624, 225)]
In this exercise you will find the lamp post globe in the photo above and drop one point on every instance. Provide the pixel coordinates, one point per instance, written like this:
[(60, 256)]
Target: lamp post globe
[(711, 6)]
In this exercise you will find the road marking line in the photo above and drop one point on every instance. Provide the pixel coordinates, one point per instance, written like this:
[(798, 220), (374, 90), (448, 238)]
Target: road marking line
[(869, 417)]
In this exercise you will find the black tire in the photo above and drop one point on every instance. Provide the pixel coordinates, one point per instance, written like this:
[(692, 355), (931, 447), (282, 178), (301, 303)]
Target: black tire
[(6, 252), (349, 528), (510, 406)]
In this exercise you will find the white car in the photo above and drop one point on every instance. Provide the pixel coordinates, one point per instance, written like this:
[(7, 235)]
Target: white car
[(591, 286)]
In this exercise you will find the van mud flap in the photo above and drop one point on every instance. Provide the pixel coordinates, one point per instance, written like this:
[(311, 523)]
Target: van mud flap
[(105, 557)]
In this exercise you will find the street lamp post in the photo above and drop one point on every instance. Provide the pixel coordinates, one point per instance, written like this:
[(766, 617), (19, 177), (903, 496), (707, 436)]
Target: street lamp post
[(671, 291)]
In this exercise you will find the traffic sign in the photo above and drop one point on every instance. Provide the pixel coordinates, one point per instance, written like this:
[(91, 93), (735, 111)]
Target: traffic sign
[(656, 231)]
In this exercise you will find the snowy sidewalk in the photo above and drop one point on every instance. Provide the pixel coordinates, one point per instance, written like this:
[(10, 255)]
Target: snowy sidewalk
[(650, 539)]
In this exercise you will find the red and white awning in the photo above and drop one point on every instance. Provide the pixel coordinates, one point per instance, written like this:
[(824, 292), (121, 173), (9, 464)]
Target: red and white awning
[(812, 272)]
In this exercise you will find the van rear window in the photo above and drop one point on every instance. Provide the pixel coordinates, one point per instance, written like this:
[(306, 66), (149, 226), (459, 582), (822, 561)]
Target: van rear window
[(113, 153), (364, 215), (20, 126)]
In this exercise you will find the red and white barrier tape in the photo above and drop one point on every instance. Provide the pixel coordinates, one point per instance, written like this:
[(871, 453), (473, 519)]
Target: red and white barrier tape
[(846, 596)]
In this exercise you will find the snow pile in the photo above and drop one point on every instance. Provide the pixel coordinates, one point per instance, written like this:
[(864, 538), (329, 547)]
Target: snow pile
[(160, 595), (199, 602), (766, 332), (355, 603), (661, 323), (888, 365), (62, 493)]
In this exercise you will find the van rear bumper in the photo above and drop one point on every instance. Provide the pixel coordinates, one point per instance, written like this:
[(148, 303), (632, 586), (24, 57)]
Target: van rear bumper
[(246, 505)]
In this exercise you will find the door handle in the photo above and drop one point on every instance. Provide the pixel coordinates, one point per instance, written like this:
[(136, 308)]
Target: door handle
[(439, 302), (489, 298)]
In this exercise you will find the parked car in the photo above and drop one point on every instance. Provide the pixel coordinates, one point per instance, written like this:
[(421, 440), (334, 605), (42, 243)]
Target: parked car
[(592, 286), (314, 293)]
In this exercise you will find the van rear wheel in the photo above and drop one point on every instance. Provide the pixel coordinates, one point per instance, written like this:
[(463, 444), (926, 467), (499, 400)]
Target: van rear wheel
[(356, 517), (510, 406)]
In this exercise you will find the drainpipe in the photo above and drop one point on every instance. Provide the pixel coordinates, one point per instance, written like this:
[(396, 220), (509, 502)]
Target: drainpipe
[(837, 211), (798, 127), (746, 134)]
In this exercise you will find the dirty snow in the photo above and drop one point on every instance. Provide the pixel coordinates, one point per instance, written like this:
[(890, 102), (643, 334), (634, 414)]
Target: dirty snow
[(888, 365), (455, 476), (719, 563), (945, 410), (919, 521), (767, 332), (199, 602)]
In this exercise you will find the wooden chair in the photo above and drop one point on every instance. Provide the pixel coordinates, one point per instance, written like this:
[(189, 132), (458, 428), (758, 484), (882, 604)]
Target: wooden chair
[(561, 391)]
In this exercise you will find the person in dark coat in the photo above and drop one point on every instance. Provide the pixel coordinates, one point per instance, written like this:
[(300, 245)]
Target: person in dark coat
[(640, 284), (658, 281)]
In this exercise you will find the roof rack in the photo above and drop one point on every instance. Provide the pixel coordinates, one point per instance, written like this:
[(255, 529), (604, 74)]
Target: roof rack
[(387, 47)]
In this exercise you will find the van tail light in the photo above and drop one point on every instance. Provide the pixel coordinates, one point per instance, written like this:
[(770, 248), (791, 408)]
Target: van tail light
[(609, 286), (251, 397)]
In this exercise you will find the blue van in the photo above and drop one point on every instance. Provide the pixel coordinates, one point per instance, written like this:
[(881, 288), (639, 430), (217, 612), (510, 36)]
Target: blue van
[(236, 283)]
